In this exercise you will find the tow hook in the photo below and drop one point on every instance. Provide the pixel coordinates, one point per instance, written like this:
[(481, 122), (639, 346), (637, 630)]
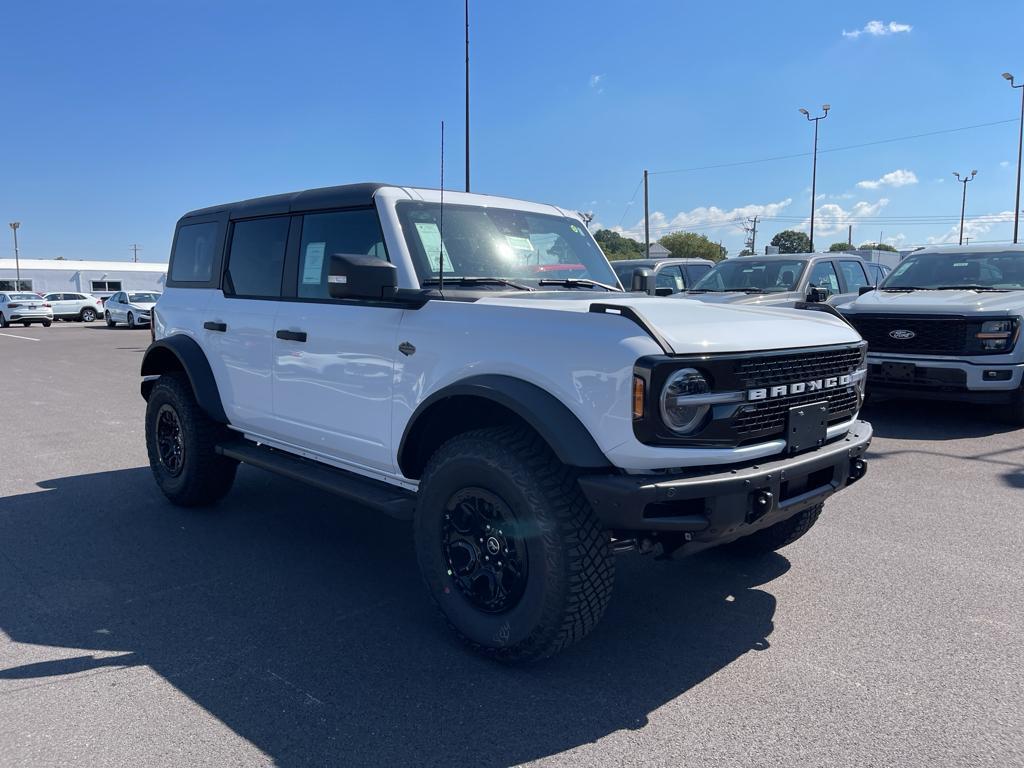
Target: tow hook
[(858, 468), (761, 506)]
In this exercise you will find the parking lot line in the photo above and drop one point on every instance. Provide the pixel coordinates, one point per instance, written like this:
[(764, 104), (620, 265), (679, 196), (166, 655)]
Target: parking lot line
[(16, 336)]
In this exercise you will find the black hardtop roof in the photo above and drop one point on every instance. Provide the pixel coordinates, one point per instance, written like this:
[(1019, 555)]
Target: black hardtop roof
[(323, 198)]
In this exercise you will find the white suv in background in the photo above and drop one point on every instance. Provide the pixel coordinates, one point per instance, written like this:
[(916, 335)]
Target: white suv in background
[(75, 306), (130, 307), (474, 367)]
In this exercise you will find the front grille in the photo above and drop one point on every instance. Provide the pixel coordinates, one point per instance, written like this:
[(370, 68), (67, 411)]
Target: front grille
[(765, 418), (932, 335)]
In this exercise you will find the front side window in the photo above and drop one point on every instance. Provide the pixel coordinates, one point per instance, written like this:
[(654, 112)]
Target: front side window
[(194, 251), (256, 259), (824, 276), (753, 275), (999, 271), (325, 234), (853, 273), (475, 241), (670, 278)]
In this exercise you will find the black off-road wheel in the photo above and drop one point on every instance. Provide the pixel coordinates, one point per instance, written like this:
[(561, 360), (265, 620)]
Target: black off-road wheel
[(509, 548), (781, 534), (181, 441)]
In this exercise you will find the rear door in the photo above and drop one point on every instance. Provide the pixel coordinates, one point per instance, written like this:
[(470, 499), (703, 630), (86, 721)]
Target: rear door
[(57, 303), (334, 361)]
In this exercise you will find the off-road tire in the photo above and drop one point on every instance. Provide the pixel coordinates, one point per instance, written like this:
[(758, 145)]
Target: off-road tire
[(205, 476), (87, 315), (570, 565), (781, 534), (109, 320)]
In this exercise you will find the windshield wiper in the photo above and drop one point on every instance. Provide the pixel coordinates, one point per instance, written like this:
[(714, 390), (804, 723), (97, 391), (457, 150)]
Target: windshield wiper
[(904, 289), (578, 282), (970, 288), (469, 281)]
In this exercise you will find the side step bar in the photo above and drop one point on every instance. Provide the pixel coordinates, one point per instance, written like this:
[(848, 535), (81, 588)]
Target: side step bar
[(392, 501)]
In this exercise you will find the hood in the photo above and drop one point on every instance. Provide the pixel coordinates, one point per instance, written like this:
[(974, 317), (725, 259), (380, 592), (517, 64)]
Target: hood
[(938, 302), (696, 326), (785, 298), (146, 305)]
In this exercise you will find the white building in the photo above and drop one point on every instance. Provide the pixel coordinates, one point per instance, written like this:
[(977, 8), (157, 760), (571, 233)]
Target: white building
[(101, 278)]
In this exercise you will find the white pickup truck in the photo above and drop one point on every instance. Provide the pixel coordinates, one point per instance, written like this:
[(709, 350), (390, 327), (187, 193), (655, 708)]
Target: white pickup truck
[(946, 325), (473, 365)]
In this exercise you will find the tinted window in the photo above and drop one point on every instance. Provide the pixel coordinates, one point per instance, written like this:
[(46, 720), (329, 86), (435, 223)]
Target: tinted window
[(324, 234), (256, 261), (695, 272), (824, 276), (853, 273), (669, 277), (15, 285), (192, 260)]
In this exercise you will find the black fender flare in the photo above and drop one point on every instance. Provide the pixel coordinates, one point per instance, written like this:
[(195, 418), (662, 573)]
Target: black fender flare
[(570, 441), (180, 352)]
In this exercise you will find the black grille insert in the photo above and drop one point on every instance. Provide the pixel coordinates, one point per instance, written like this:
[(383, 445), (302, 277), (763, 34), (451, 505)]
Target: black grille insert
[(931, 335)]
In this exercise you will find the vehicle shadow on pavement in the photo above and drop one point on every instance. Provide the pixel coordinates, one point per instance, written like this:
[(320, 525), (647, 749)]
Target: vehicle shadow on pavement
[(302, 625), (933, 420)]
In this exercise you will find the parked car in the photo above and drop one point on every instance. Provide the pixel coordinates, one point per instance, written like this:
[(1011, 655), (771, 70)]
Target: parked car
[(877, 272), (782, 280), (130, 307), (75, 306), (670, 275), (529, 426), (946, 325), (25, 308)]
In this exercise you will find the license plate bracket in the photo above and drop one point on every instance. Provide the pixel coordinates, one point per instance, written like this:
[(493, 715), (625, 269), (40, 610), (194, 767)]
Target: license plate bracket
[(807, 426), (899, 371)]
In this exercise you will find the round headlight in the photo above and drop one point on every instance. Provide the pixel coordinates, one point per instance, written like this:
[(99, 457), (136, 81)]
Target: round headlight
[(678, 415)]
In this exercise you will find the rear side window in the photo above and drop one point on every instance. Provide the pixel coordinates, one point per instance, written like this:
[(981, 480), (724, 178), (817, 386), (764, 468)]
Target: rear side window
[(669, 277), (824, 276), (256, 259), (193, 257), (695, 272), (853, 272), (324, 234)]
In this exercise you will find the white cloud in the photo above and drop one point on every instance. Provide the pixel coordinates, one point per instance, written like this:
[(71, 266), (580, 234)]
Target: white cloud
[(832, 218), (597, 83), (973, 228), (878, 29), (897, 178), (1004, 163), (704, 218)]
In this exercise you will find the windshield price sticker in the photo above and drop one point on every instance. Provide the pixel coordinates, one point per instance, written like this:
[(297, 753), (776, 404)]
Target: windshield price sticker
[(430, 237)]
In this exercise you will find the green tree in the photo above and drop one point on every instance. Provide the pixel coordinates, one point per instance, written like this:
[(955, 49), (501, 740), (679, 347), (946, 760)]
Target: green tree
[(690, 245), (791, 241), (835, 247), (876, 247), (615, 246)]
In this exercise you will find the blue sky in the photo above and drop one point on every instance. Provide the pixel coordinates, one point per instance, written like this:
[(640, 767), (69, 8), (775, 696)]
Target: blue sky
[(119, 116)]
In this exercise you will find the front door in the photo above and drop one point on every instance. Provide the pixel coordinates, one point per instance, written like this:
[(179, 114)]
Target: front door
[(334, 361)]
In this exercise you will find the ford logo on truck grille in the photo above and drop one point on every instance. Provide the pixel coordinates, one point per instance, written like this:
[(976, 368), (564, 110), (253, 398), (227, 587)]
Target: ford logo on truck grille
[(800, 387), (902, 334)]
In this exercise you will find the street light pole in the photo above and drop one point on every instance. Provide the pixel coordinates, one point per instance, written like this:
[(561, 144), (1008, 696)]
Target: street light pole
[(467, 95), (17, 264), (814, 163), (963, 204), (1020, 146)]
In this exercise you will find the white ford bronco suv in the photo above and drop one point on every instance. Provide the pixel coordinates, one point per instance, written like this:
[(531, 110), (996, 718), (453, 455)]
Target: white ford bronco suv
[(471, 363), (946, 325)]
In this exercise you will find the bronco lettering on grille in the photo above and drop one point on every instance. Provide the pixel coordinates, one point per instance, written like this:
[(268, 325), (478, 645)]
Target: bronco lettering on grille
[(799, 388)]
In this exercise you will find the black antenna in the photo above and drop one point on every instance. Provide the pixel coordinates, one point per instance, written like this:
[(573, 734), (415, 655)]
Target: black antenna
[(440, 224)]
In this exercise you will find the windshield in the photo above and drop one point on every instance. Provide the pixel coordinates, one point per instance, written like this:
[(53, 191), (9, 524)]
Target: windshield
[(500, 243), (997, 270), (23, 297), (746, 274), (143, 298)]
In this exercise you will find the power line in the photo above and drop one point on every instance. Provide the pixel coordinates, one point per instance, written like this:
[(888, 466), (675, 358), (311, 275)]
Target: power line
[(631, 199)]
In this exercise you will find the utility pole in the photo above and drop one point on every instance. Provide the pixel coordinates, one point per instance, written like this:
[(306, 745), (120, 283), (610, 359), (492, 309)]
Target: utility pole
[(135, 251), (752, 240), (963, 204), (1020, 147), (849, 234), (814, 166), (647, 222), (467, 95), (17, 264)]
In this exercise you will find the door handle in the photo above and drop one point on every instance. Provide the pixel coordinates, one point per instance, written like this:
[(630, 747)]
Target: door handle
[(211, 326), (292, 335)]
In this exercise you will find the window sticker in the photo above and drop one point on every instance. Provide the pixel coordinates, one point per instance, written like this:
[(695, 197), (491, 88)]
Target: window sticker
[(313, 265), (430, 236)]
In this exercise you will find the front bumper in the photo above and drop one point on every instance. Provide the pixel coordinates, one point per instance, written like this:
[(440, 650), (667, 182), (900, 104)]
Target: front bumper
[(713, 508), (974, 380)]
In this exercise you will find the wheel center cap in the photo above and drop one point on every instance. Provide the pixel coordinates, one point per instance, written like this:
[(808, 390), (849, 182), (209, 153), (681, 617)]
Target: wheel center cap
[(493, 546)]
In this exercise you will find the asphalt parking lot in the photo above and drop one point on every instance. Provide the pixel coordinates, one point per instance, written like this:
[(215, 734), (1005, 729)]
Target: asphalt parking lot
[(286, 629)]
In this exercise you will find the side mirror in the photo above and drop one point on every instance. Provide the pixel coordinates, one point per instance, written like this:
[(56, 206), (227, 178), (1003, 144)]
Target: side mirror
[(352, 276), (817, 295), (865, 289), (642, 279)]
